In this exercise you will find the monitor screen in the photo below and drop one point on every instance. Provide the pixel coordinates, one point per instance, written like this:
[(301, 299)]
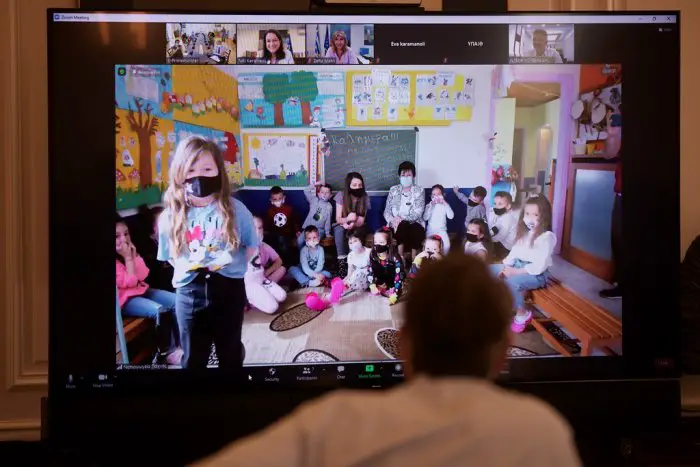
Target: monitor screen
[(275, 182)]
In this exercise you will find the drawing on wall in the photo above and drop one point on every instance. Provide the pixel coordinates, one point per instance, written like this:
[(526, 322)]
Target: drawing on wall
[(153, 114), (296, 99), (279, 159), (385, 97)]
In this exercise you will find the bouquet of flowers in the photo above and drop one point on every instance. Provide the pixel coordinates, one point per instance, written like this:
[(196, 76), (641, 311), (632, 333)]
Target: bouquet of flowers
[(504, 174)]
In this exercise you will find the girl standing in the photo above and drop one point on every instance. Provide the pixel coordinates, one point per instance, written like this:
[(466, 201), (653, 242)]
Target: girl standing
[(208, 237), (386, 274), (478, 239), (527, 265)]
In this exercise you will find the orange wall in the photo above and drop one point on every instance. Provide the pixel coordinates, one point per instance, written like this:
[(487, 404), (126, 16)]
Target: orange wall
[(592, 77)]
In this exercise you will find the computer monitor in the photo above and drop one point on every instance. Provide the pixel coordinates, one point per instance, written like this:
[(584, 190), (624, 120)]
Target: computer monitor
[(340, 137)]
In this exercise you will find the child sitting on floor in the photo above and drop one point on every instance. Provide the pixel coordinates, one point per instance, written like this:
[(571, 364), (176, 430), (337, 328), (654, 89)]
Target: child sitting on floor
[(474, 202), (432, 250), (358, 263), (320, 210), (310, 271), (386, 267), (436, 213), (502, 223), (527, 265), (264, 271), (478, 239), (281, 226)]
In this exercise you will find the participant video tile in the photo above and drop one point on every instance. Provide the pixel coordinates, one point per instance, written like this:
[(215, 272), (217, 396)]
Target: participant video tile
[(271, 44), (340, 44), (197, 43), (541, 43)]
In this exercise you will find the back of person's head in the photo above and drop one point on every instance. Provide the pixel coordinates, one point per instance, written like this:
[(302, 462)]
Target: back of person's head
[(457, 319)]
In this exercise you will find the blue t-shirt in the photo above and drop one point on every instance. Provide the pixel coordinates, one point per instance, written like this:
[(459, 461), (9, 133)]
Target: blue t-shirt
[(205, 245)]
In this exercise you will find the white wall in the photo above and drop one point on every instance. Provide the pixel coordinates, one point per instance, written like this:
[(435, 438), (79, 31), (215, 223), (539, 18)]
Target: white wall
[(248, 37), (505, 126), (454, 155)]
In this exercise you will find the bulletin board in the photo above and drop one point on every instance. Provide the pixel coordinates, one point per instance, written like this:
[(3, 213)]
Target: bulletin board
[(289, 100), (408, 98), (279, 159), (156, 107)]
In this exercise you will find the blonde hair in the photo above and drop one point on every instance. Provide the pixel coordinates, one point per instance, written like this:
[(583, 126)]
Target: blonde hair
[(341, 33), (175, 197)]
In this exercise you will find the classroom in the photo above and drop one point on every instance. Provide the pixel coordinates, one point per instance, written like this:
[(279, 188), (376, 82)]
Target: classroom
[(505, 128)]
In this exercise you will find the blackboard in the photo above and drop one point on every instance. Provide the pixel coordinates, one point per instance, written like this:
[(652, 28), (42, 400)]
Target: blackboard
[(376, 154)]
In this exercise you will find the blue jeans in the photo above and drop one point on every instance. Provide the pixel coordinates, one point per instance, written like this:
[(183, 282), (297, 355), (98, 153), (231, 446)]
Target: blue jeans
[(303, 279), (301, 239), (158, 305), (518, 285)]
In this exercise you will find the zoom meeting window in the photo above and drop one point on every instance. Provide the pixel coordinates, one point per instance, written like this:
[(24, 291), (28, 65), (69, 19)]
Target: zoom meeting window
[(355, 154)]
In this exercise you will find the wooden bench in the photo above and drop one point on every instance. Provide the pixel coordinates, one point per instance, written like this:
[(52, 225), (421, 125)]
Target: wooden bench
[(135, 328), (590, 324)]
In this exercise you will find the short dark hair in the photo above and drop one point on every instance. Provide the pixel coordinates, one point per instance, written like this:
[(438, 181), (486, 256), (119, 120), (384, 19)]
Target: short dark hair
[(505, 195), (407, 165), (355, 234), (469, 313), (310, 229), (276, 190), (325, 185), (439, 187), (479, 191)]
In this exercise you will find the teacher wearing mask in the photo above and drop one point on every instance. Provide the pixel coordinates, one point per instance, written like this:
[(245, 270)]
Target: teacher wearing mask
[(340, 51), (404, 211), (275, 52)]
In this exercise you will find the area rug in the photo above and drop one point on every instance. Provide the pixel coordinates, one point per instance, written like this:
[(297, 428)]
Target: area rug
[(293, 318), (515, 351), (315, 356), (387, 339)]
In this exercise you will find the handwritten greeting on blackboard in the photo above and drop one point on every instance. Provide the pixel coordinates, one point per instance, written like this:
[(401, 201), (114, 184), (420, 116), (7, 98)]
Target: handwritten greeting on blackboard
[(376, 154)]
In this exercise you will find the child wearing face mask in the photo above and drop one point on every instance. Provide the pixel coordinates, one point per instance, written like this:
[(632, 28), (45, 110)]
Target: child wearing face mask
[(264, 272), (358, 263), (432, 250), (436, 213), (502, 224), (478, 239), (209, 237), (310, 271), (281, 226), (320, 210), (474, 202), (387, 273), (527, 265)]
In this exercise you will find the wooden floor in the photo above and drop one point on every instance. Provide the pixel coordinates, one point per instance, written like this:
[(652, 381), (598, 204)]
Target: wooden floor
[(345, 330)]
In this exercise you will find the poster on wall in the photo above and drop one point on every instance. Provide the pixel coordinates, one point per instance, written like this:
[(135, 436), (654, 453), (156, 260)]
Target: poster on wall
[(292, 100), (382, 97), (282, 159), (158, 106)]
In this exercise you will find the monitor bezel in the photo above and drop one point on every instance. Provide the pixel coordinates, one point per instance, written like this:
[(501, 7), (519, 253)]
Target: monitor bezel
[(528, 371)]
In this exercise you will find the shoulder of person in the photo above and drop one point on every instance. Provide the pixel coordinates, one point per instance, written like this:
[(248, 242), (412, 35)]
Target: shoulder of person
[(338, 197), (395, 189), (417, 189), (547, 236)]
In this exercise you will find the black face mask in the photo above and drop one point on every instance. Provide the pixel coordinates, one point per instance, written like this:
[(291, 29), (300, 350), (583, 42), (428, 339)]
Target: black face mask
[(472, 203), (357, 192), (499, 211), (201, 187), (472, 238), (381, 248)]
